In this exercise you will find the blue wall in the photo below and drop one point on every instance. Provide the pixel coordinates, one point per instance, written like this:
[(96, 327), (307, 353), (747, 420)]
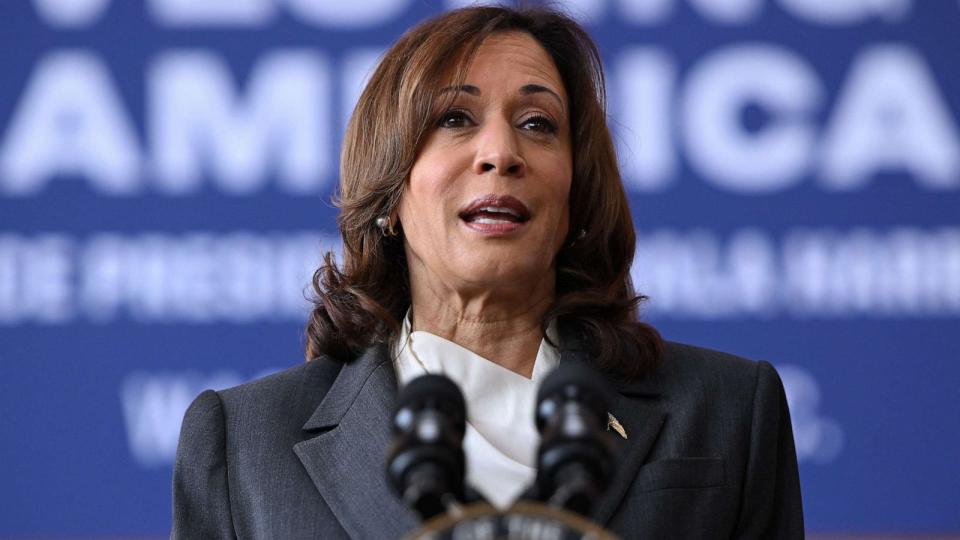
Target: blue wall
[(165, 174)]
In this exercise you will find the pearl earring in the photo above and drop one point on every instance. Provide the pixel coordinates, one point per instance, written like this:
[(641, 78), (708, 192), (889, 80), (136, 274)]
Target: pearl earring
[(386, 226)]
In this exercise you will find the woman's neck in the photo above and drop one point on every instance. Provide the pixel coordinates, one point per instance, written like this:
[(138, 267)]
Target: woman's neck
[(503, 326)]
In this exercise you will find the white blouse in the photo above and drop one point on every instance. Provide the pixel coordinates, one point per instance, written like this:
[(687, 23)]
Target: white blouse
[(501, 439)]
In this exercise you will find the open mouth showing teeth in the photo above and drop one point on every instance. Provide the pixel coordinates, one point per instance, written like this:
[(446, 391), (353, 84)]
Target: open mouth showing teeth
[(495, 210), (493, 214)]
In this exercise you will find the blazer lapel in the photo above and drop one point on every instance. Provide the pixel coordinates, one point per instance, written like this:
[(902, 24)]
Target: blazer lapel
[(346, 460), (642, 421), (636, 407)]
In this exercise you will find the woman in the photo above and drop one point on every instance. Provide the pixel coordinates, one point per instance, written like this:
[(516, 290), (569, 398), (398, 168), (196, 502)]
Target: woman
[(486, 235)]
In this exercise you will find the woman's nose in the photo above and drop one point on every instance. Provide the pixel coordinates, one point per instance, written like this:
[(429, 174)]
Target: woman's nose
[(498, 151)]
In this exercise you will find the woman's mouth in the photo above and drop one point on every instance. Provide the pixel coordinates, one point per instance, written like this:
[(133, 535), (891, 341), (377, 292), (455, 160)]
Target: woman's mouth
[(495, 215)]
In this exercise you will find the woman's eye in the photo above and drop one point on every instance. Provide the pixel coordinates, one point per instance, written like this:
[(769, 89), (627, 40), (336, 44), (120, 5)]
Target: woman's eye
[(454, 119), (539, 123)]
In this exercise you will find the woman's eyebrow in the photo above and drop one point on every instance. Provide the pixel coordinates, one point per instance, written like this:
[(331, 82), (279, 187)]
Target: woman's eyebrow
[(528, 89), (467, 88)]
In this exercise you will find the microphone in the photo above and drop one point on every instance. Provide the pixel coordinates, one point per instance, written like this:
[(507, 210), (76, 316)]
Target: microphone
[(425, 461), (575, 458)]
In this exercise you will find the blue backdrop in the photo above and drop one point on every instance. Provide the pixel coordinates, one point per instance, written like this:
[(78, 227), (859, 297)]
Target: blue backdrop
[(166, 168)]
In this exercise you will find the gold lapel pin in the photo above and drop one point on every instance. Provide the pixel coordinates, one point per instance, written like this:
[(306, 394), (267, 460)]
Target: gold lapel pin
[(615, 425)]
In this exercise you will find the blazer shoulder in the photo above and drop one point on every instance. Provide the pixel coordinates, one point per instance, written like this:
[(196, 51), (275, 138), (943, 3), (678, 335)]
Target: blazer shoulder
[(298, 388), (683, 353), (717, 371)]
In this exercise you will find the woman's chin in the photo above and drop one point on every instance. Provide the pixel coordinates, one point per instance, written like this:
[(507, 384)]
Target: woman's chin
[(504, 268)]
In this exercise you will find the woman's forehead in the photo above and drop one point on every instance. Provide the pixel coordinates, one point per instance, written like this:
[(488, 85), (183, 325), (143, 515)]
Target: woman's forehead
[(513, 58)]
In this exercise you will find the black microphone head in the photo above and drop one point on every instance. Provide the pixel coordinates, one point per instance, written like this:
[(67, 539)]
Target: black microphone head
[(577, 381), (425, 461), (433, 391), (432, 386), (575, 458)]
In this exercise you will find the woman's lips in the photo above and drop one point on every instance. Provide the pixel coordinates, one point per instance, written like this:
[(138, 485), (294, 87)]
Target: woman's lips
[(495, 214), (494, 228)]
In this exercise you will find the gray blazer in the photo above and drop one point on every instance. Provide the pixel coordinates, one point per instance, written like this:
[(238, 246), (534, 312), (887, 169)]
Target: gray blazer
[(300, 454)]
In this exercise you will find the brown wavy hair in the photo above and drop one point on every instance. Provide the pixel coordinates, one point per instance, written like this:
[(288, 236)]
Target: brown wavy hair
[(361, 303)]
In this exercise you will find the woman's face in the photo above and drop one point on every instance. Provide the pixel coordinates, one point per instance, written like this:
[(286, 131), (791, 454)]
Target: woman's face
[(487, 204)]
